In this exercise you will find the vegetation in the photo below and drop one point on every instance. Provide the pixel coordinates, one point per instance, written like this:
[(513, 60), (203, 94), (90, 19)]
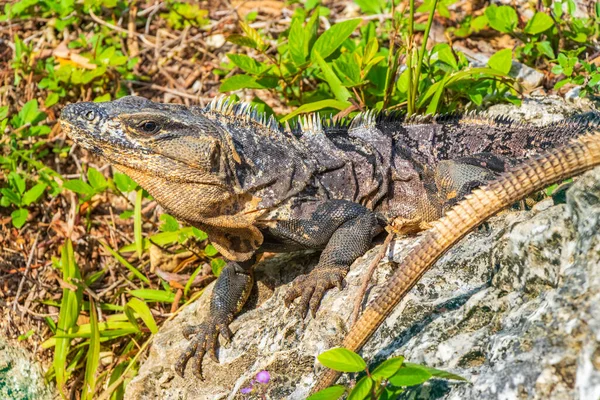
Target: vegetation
[(77, 238)]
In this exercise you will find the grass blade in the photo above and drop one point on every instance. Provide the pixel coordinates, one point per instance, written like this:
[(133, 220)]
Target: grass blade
[(137, 223), (125, 263), (93, 355)]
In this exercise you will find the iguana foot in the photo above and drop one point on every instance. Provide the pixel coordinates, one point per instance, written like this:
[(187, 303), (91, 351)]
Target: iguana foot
[(312, 287), (203, 339)]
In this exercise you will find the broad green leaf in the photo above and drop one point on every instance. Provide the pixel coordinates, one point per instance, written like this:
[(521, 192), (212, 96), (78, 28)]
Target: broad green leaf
[(340, 92), (30, 114), (93, 356), (341, 359), (253, 35), (96, 179), (362, 389), (125, 263), (169, 224), (79, 186), (333, 38), (545, 48), (443, 52), (137, 306), (387, 368), (124, 183), (237, 82), (330, 393), (434, 104), (153, 295), (33, 194), (217, 265), (502, 18), (538, 24), (410, 376), (316, 106), (248, 64), (501, 61), (296, 42), (137, 223), (19, 217), (210, 250), (438, 373)]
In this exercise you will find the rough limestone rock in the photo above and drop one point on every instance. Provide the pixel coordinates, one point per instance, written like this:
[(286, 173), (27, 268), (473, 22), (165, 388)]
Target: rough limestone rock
[(20, 377), (514, 308)]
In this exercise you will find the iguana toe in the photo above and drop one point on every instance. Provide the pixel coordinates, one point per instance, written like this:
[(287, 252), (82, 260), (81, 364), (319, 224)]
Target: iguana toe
[(203, 339), (312, 287)]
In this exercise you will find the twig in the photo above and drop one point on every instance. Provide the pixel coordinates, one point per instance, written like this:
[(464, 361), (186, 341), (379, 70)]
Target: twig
[(367, 277), (27, 269)]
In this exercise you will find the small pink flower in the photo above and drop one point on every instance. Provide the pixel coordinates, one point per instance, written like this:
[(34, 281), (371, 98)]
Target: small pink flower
[(263, 377), (246, 390)]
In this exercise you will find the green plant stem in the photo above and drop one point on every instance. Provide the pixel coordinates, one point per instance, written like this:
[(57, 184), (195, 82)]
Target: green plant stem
[(422, 52), (411, 20)]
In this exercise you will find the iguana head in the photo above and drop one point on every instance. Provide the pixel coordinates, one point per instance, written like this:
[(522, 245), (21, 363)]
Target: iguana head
[(183, 159)]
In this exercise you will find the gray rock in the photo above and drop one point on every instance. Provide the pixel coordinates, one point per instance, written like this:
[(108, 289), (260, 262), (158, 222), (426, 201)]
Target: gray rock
[(20, 377), (514, 308)]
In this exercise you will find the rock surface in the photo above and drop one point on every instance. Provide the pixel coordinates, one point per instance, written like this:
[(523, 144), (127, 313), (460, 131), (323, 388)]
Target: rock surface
[(514, 308), (20, 377)]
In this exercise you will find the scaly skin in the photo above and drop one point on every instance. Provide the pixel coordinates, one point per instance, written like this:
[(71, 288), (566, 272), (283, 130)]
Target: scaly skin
[(535, 174), (255, 187)]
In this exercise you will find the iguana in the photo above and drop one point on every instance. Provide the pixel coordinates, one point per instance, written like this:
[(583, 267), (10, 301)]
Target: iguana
[(254, 186)]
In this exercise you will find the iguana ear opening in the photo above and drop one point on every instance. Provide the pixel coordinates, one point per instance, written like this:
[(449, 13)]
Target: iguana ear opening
[(236, 244)]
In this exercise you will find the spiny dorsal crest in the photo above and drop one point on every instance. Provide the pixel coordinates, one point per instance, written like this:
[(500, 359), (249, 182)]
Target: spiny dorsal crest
[(310, 124)]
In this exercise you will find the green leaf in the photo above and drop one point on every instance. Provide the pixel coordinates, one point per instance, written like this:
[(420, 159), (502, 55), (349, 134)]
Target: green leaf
[(501, 60), (333, 38), (136, 305), (330, 393), (33, 194), (237, 82), (538, 24), (296, 42), (443, 52), (362, 389), (248, 64), (51, 100), (243, 41), (410, 376), (96, 179), (169, 224), (79, 186), (341, 359), (438, 373), (210, 250), (17, 181), (545, 48), (154, 295), (188, 284), (124, 183), (30, 114), (387, 368), (217, 265), (93, 356), (502, 18), (340, 92), (253, 35), (19, 217), (317, 105)]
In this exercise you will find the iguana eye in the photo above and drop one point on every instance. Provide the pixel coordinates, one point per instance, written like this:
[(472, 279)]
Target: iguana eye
[(89, 115), (150, 127)]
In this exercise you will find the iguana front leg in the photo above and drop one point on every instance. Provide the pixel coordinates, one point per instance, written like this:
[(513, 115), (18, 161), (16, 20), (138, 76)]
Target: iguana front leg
[(230, 293), (345, 231)]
